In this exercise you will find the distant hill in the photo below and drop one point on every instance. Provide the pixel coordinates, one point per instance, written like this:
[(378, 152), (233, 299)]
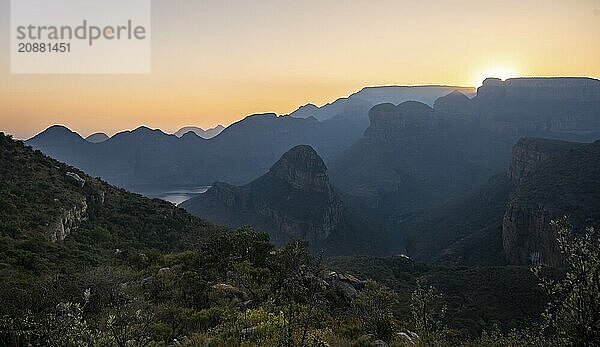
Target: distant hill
[(97, 138), (357, 104), (205, 134), (144, 158), (294, 200)]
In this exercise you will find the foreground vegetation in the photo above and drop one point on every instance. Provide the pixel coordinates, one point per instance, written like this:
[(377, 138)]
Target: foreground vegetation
[(238, 290)]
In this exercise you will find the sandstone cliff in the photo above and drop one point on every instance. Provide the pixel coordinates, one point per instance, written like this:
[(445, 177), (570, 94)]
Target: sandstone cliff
[(553, 179)]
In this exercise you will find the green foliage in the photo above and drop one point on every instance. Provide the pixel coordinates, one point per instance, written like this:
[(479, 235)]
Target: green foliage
[(573, 313), (428, 311), (373, 306)]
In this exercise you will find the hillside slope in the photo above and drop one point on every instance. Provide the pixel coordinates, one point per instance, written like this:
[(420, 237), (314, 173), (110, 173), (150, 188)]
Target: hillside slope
[(54, 215)]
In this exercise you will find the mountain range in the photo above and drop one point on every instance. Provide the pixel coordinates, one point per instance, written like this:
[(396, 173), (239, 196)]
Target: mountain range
[(389, 163), (499, 114), (413, 156), (357, 104)]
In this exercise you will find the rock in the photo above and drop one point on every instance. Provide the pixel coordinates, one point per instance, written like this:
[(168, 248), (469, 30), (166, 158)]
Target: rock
[(355, 282), (559, 88), (344, 288), (347, 278), (68, 221), (529, 153), (247, 332), (409, 338), (553, 179), (165, 271), (97, 197), (75, 179), (146, 280)]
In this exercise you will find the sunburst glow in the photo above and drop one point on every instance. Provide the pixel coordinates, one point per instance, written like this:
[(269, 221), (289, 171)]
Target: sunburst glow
[(502, 72)]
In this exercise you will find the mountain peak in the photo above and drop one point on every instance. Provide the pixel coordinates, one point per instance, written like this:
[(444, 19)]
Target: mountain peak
[(57, 133), (97, 137), (197, 131), (303, 168)]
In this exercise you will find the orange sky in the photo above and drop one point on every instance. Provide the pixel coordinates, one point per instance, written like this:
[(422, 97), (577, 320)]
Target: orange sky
[(217, 61)]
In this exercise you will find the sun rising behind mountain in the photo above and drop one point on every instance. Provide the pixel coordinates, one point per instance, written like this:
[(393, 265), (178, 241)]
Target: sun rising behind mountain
[(502, 72)]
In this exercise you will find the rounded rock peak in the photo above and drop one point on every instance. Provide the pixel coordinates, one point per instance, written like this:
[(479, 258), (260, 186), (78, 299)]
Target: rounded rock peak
[(302, 167), (413, 107)]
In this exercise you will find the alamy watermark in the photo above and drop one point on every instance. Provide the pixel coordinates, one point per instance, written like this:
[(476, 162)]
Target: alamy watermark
[(80, 36)]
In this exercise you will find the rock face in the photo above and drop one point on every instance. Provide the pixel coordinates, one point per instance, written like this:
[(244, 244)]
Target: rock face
[(560, 88), (68, 221), (410, 158), (294, 200), (559, 108), (508, 220), (75, 179), (303, 169), (529, 153), (553, 180), (413, 157)]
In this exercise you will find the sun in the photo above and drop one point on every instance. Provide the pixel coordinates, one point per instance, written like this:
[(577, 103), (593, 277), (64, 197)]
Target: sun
[(501, 72)]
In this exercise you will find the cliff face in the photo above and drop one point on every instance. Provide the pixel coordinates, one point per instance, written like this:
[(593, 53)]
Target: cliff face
[(410, 159), (529, 153), (294, 200), (561, 88), (559, 108), (68, 221), (552, 180)]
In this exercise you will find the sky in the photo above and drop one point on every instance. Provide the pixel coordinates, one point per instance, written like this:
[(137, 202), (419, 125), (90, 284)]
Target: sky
[(214, 62)]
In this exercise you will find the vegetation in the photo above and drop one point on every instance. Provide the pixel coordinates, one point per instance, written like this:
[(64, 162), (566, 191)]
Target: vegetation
[(140, 272)]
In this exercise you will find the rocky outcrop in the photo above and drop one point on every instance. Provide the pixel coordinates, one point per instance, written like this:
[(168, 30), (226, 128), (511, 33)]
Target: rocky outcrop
[(75, 179), (303, 169), (68, 221), (529, 153), (294, 200), (387, 120), (411, 158), (456, 104), (528, 236)]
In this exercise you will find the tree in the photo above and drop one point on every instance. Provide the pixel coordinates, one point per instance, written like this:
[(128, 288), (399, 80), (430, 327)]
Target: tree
[(573, 313), (429, 310)]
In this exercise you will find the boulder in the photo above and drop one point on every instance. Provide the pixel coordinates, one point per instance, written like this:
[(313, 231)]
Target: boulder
[(75, 179)]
